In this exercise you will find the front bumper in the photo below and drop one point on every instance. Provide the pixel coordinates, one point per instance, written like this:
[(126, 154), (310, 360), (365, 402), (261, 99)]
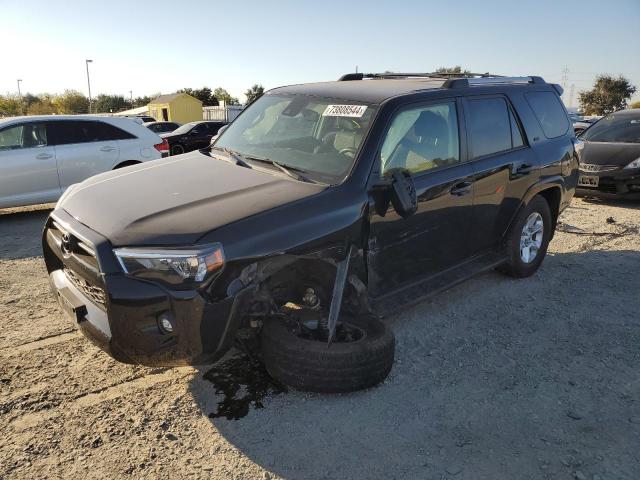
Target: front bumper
[(119, 313), (611, 183)]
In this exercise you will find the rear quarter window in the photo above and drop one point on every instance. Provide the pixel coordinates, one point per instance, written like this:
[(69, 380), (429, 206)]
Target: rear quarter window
[(548, 110)]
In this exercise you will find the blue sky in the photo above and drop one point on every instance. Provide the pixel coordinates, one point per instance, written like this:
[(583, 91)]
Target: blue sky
[(161, 46)]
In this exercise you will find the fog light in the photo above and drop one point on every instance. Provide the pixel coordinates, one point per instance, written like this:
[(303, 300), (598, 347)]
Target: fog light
[(164, 322)]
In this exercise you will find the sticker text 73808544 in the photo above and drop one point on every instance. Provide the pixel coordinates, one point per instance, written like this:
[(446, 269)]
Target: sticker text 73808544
[(344, 111)]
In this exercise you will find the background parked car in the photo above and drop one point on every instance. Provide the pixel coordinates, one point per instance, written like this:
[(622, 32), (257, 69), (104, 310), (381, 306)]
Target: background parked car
[(41, 156), (162, 127), (579, 123), (191, 136), (611, 156)]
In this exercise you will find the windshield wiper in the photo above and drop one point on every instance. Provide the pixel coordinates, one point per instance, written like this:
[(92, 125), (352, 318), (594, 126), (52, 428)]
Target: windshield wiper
[(293, 172), (235, 156)]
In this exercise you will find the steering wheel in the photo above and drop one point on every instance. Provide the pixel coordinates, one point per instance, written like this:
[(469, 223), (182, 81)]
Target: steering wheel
[(349, 150)]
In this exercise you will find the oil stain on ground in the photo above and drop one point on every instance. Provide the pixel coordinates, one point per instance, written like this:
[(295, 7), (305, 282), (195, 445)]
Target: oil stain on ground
[(243, 382)]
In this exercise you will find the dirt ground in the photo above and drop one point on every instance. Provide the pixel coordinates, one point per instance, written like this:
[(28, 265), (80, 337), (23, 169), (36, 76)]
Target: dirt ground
[(494, 379)]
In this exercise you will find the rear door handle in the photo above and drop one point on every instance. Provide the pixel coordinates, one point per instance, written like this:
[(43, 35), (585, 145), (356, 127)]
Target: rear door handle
[(43, 156), (460, 189), (107, 148)]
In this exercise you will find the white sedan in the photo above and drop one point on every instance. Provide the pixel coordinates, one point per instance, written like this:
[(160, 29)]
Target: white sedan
[(40, 156)]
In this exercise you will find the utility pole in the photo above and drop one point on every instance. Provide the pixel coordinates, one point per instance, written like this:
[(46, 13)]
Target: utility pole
[(565, 78), (571, 92), (131, 96), (20, 96), (356, 68), (87, 62)]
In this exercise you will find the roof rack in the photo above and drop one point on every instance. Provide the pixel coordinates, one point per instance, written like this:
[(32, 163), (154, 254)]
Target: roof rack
[(452, 80)]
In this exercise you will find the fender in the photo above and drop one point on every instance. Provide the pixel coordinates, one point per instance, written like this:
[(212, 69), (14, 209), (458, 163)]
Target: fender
[(546, 183)]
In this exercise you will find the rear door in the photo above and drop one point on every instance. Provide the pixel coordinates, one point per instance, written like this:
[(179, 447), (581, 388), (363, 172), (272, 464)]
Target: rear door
[(28, 173), (83, 148), (503, 164), (424, 140)]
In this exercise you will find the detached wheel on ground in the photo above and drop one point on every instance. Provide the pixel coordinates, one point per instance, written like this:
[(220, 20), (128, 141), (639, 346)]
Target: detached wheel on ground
[(177, 149), (528, 239), (360, 357)]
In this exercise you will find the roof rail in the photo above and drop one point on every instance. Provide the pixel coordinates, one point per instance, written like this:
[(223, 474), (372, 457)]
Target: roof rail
[(452, 80), (467, 82)]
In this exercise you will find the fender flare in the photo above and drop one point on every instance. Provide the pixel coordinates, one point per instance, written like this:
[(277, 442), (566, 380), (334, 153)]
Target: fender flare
[(548, 183)]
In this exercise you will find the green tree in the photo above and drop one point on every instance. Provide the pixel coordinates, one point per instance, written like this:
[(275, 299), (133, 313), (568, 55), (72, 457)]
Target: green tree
[(71, 101), (9, 106), (455, 70), (223, 96), (44, 105), (254, 93), (110, 103), (144, 100), (204, 94), (608, 94)]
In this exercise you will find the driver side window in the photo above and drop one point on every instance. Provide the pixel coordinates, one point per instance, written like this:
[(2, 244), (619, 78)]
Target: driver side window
[(422, 138)]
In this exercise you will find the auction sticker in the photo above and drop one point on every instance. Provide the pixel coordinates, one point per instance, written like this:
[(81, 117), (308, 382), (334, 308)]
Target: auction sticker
[(344, 111)]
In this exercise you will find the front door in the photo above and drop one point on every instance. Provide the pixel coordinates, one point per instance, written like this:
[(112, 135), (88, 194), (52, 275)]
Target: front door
[(425, 141), (28, 172)]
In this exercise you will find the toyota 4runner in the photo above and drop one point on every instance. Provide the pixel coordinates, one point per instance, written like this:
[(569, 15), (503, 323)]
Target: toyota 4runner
[(322, 208)]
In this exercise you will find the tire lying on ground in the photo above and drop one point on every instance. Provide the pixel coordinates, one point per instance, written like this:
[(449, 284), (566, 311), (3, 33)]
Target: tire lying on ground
[(311, 365)]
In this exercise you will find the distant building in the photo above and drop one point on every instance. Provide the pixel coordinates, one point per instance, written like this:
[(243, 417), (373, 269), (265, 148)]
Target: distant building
[(176, 107)]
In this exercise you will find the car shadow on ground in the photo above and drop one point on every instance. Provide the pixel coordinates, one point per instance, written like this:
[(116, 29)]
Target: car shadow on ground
[(495, 378), (21, 232)]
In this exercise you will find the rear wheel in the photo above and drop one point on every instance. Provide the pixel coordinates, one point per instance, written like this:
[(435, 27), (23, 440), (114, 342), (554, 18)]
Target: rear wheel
[(360, 356), (528, 239), (177, 149)]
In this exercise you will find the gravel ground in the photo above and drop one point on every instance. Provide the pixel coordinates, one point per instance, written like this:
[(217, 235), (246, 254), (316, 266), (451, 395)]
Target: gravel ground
[(494, 379)]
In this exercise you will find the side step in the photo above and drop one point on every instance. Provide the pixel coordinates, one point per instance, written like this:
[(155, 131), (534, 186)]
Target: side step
[(416, 292)]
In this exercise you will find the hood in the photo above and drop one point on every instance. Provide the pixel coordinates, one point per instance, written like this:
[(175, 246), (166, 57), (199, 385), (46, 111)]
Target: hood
[(608, 153), (177, 200)]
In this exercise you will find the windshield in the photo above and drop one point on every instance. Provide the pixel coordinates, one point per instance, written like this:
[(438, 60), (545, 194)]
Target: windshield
[(184, 128), (614, 128), (318, 136)]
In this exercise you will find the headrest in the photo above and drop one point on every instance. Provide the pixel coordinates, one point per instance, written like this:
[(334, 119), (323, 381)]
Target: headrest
[(430, 124)]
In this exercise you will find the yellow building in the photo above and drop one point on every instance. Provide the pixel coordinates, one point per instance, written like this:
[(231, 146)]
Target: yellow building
[(176, 107)]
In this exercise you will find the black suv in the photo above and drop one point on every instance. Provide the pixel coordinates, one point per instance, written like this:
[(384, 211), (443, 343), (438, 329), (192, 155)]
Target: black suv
[(320, 209), (191, 136)]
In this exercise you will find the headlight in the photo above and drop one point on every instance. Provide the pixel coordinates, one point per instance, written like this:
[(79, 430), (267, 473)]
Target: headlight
[(634, 164), (173, 266)]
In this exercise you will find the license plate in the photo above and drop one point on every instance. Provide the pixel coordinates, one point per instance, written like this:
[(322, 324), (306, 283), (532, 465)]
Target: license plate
[(72, 306), (588, 181)]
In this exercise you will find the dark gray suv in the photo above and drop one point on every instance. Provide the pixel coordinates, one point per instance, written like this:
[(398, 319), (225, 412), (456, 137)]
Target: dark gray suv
[(320, 209)]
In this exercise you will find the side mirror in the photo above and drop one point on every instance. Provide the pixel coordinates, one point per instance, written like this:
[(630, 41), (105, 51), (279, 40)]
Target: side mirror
[(403, 193), (222, 129)]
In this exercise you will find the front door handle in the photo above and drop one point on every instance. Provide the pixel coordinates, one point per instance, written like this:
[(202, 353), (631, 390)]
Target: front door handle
[(524, 169), (43, 156), (107, 148), (460, 189)]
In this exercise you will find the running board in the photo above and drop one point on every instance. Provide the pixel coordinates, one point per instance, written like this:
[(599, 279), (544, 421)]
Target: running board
[(420, 290)]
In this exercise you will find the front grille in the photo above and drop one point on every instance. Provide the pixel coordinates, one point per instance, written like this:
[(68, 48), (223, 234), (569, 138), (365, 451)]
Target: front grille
[(93, 292), (70, 245), (590, 167)]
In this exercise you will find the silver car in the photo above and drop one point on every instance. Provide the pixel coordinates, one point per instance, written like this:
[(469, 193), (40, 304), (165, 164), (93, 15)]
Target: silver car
[(40, 156)]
